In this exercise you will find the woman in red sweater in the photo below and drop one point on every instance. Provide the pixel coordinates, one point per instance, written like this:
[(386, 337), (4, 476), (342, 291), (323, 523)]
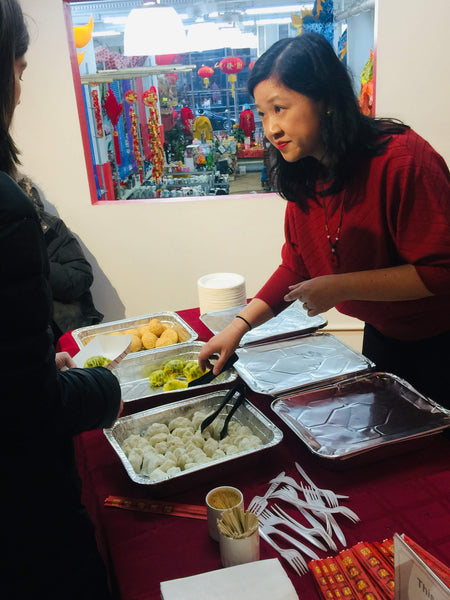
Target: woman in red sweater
[(367, 219)]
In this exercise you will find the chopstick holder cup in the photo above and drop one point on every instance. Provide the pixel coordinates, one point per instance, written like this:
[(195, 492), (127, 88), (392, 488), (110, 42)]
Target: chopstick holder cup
[(238, 537)]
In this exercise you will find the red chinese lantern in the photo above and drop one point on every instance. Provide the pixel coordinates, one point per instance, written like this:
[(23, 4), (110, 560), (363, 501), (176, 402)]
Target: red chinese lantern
[(231, 65), (206, 73), (251, 65)]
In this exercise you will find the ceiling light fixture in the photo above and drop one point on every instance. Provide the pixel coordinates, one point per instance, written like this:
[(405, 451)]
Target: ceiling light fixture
[(154, 30)]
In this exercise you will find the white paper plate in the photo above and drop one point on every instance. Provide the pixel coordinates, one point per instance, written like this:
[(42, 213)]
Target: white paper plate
[(114, 347)]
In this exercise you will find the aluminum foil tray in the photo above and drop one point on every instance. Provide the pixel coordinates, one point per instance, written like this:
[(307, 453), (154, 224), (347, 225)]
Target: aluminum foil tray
[(298, 363), (246, 414), (185, 333), (134, 371), (361, 415), (293, 320)]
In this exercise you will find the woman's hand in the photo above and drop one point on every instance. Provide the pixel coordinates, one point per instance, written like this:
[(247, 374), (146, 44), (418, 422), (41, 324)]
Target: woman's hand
[(222, 344), (64, 361), (317, 295)]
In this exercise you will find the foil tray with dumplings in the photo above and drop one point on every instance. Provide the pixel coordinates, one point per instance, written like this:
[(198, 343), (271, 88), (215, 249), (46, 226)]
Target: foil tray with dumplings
[(134, 371), (84, 335), (193, 409)]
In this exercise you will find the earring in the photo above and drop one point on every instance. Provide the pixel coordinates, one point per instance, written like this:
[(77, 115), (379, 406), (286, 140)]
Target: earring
[(329, 112)]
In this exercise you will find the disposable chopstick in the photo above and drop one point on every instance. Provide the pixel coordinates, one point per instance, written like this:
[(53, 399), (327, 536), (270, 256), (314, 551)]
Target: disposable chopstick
[(158, 507)]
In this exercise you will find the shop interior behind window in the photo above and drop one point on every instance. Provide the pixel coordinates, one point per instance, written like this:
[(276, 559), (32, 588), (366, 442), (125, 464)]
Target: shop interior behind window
[(176, 124)]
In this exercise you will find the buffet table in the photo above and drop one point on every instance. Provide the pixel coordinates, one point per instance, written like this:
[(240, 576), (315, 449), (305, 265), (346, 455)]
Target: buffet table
[(405, 493)]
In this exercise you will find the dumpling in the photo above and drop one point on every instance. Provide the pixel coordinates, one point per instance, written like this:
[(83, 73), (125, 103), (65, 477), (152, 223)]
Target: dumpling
[(179, 422), (149, 340), (136, 457), (175, 384), (156, 428), (151, 461), (210, 446), (157, 378), (158, 437), (168, 337), (158, 475), (198, 417), (174, 367), (173, 471)]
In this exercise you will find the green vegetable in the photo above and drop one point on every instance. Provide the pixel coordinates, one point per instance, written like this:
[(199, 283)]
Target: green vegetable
[(97, 361)]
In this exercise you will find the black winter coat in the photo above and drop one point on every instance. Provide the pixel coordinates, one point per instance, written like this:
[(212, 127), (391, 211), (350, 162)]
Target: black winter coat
[(48, 547), (70, 272)]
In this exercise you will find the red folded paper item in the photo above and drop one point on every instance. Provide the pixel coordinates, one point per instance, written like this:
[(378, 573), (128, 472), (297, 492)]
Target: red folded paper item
[(386, 548), (157, 506), (441, 570), (358, 579), (317, 569), (337, 580), (377, 566)]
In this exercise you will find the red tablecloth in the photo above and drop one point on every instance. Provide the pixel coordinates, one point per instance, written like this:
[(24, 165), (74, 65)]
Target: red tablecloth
[(407, 493)]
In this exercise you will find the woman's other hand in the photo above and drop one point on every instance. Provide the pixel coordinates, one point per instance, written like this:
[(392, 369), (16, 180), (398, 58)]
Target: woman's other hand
[(64, 361), (317, 295)]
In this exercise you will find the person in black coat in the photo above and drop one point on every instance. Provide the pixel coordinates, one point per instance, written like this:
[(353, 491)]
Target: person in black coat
[(48, 547), (70, 272)]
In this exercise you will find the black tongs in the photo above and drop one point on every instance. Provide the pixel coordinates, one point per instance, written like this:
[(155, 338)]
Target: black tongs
[(209, 375), (237, 391)]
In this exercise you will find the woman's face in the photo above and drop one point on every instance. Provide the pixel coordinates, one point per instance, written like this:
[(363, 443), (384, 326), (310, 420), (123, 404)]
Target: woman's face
[(291, 120), (19, 67)]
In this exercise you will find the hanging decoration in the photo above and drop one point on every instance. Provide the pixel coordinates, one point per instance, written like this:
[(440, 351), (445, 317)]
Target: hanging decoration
[(82, 35), (97, 113), (231, 65), (205, 72), (150, 99), (251, 65), (114, 110), (366, 93), (131, 97)]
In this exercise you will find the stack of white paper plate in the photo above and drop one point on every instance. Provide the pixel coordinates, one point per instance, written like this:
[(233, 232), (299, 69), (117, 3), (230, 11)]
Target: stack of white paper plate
[(220, 290)]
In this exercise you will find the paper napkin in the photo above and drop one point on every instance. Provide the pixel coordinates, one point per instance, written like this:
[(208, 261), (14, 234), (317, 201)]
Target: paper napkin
[(259, 580)]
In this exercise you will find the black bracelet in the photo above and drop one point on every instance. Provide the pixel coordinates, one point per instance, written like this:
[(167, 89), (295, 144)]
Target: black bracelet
[(245, 321)]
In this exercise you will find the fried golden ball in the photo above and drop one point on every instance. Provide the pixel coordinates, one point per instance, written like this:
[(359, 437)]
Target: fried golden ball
[(157, 378), (136, 343), (167, 338), (156, 327), (149, 340)]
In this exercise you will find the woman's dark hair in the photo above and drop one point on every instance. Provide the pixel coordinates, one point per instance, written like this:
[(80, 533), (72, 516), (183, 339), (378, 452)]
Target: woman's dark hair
[(308, 65), (14, 40)]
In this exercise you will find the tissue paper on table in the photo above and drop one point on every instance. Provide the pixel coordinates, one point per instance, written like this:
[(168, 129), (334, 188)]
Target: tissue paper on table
[(259, 580), (114, 347)]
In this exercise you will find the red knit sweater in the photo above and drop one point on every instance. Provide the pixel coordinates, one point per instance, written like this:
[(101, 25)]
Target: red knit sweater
[(396, 211)]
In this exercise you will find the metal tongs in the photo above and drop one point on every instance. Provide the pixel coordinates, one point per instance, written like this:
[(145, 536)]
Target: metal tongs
[(239, 391), (209, 375)]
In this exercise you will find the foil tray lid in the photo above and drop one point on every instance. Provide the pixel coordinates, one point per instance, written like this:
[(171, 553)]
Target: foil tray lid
[(293, 320), (359, 415), (275, 368)]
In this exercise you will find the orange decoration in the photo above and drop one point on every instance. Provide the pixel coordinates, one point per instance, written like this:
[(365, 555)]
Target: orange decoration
[(206, 73), (251, 65)]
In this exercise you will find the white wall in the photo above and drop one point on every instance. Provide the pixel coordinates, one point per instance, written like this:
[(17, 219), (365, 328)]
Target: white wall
[(148, 256)]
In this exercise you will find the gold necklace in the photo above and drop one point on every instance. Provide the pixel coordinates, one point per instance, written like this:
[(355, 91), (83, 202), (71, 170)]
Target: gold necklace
[(333, 244)]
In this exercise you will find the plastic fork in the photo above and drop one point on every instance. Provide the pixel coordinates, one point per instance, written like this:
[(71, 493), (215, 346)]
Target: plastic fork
[(316, 528), (332, 525), (292, 483), (290, 555), (290, 495), (274, 519), (331, 497), (259, 503), (270, 529)]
